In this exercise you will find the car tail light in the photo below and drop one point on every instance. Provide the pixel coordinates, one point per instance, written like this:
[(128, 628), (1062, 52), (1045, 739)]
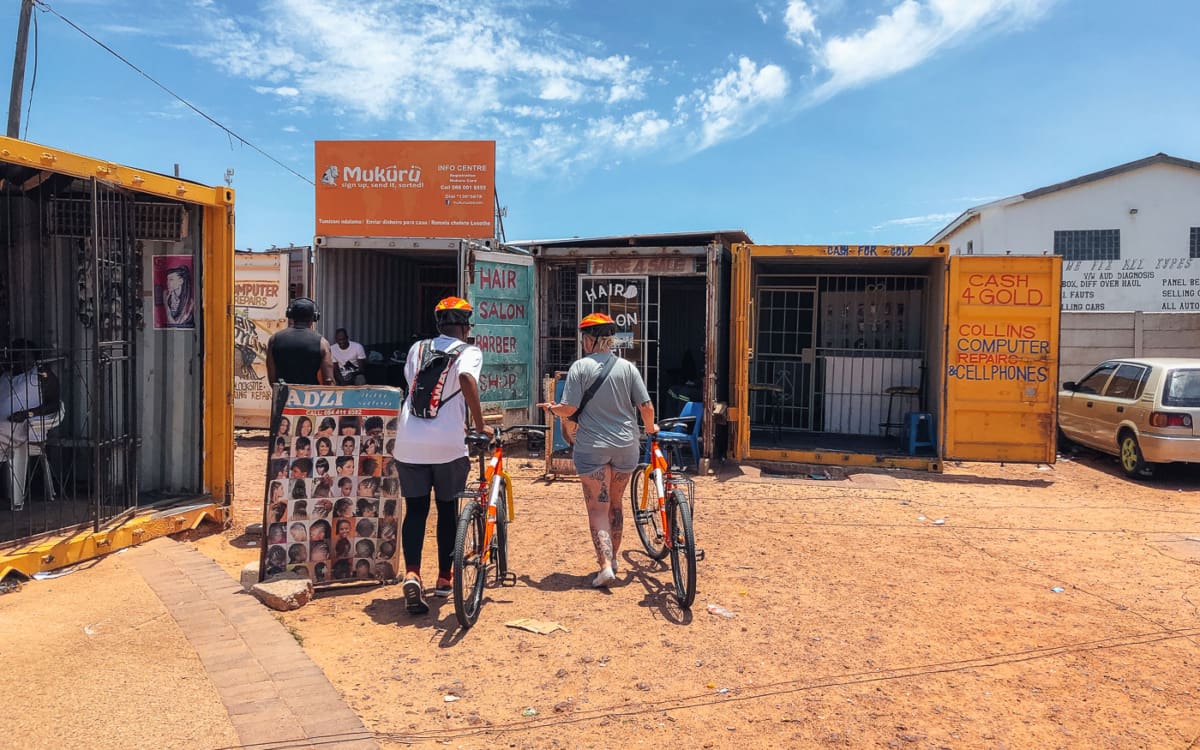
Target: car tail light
[(1167, 419)]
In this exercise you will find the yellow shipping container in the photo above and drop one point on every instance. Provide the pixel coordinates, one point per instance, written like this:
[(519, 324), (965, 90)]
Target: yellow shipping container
[(893, 355), (118, 282)]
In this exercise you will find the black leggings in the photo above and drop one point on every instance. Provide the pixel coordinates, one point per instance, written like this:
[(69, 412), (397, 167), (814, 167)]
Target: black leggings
[(412, 532)]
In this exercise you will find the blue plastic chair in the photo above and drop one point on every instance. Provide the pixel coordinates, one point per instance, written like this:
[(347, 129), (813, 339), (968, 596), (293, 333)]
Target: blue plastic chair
[(684, 429)]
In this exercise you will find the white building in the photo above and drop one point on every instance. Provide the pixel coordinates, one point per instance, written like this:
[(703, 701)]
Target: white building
[(1129, 235)]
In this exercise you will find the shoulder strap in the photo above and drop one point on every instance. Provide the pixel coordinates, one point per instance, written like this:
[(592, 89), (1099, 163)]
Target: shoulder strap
[(455, 351), (595, 386)]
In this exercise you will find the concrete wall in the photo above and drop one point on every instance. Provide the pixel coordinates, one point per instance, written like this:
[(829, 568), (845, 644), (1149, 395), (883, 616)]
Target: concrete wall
[(1090, 338), (1154, 208)]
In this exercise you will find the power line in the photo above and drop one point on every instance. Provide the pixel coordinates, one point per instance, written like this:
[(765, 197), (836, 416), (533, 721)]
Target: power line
[(185, 102)]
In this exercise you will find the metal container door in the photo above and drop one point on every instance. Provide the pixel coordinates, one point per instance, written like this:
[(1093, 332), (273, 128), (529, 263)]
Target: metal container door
[(1002, 316)]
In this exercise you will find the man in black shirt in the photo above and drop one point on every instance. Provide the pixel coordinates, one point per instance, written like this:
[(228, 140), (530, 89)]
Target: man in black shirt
[(298, 355)]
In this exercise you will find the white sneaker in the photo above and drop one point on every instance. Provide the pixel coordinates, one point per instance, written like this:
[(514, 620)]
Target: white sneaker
[(604, 577)]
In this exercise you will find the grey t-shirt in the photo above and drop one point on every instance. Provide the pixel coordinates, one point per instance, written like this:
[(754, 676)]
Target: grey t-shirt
[(610, 419)]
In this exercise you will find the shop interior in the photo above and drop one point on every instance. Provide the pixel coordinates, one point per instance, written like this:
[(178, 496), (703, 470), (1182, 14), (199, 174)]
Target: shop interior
[(668, 332), (384, 299), (841, 354)]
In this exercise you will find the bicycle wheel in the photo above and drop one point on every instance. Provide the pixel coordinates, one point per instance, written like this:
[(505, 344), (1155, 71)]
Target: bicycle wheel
[(500, 537), (469, 572), (683, 548), (648, 520)]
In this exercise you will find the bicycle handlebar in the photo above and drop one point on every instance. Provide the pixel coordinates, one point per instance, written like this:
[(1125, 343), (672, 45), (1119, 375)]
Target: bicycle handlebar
[(482, 440)]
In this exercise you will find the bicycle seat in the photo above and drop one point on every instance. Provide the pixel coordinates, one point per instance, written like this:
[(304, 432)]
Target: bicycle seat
[(478, 440)]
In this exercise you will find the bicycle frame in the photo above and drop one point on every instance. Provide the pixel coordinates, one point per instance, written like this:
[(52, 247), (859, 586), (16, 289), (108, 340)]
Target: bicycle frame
[(658, 474), (492, 478), (666, 528)]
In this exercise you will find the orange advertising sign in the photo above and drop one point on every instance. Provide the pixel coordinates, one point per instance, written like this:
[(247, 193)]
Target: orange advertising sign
[(406, 189)]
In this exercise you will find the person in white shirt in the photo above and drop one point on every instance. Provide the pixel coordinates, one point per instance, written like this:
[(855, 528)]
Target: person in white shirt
[(431, 453), (29, 405), (350, 358)]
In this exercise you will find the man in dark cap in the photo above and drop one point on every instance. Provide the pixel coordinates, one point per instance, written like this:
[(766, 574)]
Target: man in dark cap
[(298, 355)]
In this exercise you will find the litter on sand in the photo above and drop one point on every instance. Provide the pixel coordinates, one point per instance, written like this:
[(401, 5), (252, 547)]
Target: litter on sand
[(536, 626), (717, 609), (1057, 589)]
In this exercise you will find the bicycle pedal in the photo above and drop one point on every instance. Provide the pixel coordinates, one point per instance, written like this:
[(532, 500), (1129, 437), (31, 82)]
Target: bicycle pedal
[(699, 554), (509, 579)]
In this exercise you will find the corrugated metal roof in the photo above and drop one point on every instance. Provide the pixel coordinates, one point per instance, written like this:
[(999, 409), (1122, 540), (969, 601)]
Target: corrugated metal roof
[(685, 239)]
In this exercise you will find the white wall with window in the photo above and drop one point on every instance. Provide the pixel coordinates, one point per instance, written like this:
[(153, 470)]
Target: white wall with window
[(1129, 235)]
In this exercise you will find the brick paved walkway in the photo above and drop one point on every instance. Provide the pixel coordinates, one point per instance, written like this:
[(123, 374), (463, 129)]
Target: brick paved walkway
[(276, 696)]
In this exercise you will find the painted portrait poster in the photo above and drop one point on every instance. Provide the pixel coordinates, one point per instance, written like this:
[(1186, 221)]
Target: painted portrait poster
[(175, 303), (333, 503)]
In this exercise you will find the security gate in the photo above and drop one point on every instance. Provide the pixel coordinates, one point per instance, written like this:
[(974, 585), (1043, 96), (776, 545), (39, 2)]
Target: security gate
[(72, 286), (835, 354), (112, 266)]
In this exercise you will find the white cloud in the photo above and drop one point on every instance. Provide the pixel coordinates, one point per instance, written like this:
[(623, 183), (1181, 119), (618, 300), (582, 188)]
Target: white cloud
[(372, 60), (291, 129), (913, 31), (800, 21), (639, 130), (561, 89), (114, 28), (285, 91), (474, 68), (917, 221), (733, 104), (554, 98)]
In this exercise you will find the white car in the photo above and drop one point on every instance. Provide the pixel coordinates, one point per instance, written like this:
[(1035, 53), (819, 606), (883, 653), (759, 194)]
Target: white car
[(1145, 411)]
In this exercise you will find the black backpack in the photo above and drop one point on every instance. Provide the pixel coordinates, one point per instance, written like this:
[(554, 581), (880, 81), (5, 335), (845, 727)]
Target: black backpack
[(433, 365)]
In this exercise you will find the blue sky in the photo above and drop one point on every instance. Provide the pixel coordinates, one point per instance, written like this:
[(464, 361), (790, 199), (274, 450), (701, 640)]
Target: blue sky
[(799, 121)]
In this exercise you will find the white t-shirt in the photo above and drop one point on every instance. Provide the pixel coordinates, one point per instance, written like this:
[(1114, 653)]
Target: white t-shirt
[(353, 351), (438, 440), (17, 393)]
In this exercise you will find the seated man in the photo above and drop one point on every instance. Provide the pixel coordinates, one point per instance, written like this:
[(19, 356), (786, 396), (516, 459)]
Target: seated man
[(29, 402), (350, 359)]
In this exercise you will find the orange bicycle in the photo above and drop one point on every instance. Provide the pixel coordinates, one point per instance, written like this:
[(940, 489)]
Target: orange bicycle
[(662, 500), (482, 540)]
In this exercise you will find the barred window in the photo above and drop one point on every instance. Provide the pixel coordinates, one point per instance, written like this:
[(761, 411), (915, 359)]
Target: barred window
[(1088, 244), (1195, 243)]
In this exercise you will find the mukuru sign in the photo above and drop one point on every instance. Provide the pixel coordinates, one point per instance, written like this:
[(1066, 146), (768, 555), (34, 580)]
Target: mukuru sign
[(406, 189)]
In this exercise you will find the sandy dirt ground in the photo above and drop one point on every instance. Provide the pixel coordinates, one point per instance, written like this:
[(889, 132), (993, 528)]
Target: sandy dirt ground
[(83, 669), (1053, 607)]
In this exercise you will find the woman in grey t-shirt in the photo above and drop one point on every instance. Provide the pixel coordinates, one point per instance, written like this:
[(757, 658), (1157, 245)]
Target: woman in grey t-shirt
[(606, 445)]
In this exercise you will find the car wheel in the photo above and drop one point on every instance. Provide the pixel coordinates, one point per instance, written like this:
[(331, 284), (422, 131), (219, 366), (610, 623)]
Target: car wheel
[(1063, 442), (1132, 462)]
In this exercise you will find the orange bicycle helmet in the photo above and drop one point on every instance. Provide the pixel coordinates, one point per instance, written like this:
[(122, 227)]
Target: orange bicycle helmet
[(598, 324), (453, 311)]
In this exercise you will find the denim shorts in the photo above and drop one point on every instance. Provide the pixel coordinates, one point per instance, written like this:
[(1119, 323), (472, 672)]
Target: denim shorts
[(587, 460)]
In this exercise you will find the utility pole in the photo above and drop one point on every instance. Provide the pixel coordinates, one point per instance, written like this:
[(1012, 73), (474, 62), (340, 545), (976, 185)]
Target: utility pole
[(18, 76)]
